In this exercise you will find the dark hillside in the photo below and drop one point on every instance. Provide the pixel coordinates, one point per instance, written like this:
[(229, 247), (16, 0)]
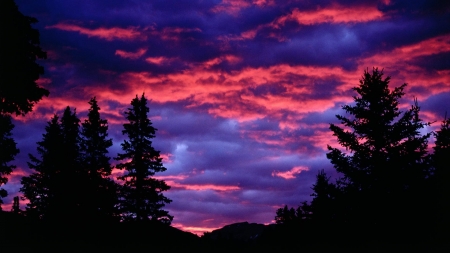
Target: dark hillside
[(21, 234)]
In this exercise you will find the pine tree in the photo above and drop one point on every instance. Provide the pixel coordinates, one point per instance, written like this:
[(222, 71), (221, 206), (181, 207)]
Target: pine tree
[(286, 215), (19, 71), (441, 178), (386, 160), (8, 151), (39, 186), (52, 188), (100, 192), (141, 194), (442, 151), (324, 194)]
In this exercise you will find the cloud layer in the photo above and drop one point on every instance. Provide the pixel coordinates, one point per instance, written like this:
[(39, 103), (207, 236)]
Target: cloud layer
[(242, 92)]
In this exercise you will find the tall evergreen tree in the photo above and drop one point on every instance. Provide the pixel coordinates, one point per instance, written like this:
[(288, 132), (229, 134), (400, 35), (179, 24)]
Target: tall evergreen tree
[(39, 187), (8, 151), (53, 187), (141, 194), (322, 205), (386, 162), (19, 50), (441, 178), (100, 192)]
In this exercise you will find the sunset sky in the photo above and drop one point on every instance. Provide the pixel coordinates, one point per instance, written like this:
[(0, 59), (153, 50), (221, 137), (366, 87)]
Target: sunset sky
[(242, 92)]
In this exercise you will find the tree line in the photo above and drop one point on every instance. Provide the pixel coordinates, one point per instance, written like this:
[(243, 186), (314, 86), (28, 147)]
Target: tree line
[(72, 174), (388, 180)]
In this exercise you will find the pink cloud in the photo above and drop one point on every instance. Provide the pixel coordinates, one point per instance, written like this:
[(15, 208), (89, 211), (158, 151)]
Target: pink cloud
[(158, 60), (227, 95), (231, 6), (195, 230), (335, 14), (131, 55), (173, 33), (235, 6), (113, 33), (402, 61), (290, 174), (203, 187)]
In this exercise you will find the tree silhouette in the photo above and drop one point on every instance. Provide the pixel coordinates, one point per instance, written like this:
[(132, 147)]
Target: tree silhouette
[(100, 192), (52, 188), (16, 206), (291, 216), (8, 151), (39, 187), (19, 50), (322, 205), (385, 162), (141, 194), (441, 177), (285, 215)]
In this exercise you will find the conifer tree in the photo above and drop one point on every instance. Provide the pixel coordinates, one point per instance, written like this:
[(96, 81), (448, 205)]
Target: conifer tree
[(19, 71), (100, 192), (52, 189), (324, 194), (386, 160), (141, 195), (441, 178), (39, 186), (8, 151)]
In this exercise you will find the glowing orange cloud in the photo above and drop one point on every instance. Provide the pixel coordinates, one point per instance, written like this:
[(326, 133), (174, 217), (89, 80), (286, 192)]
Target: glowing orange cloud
[(113, 33), (290, 174), (131, 55)]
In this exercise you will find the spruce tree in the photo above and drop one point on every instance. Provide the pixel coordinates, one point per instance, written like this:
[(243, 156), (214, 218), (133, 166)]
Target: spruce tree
[(385, 163), (99, 191), (39, 187), (440, 179), (19, 50), (52, 189), (141, 195), (324, 194), (8, 151)]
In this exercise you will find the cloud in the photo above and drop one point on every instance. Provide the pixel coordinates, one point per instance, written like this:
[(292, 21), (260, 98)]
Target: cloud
[(333, 14), (157, 60), (109, 34), (290, 174), (131, 55), (242, 92)]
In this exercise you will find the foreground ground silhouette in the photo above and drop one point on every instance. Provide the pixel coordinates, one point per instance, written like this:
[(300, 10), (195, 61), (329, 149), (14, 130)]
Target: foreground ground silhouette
[(22, 234)]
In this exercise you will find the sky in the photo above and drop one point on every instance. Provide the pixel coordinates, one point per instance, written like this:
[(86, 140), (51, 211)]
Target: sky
[(242, 92)]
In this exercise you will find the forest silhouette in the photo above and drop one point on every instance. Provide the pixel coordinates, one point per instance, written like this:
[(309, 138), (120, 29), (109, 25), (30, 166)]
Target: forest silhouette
[(391, 193)]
